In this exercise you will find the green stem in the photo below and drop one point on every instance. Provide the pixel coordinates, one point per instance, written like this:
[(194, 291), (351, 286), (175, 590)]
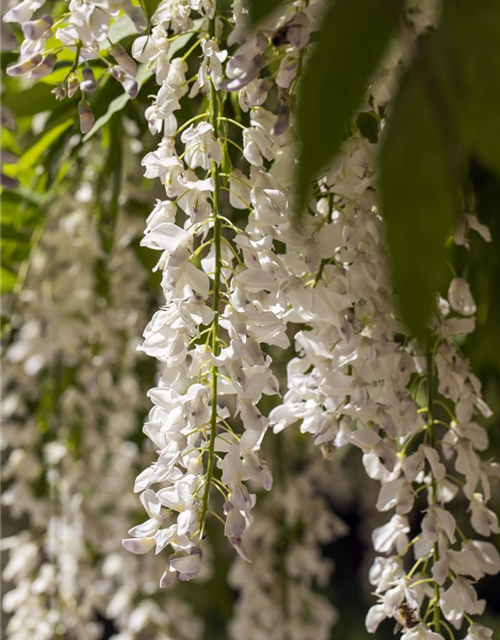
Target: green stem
[(323, 261), (213, 109), (190, 121)]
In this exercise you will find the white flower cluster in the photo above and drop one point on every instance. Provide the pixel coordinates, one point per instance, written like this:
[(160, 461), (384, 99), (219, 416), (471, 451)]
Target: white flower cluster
[(360, 379), (222, 298), (279, 596), (439, 459), (71, 403), (83, 29)]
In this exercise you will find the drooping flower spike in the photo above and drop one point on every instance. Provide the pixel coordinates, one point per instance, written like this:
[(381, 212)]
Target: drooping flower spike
[(222, 299)]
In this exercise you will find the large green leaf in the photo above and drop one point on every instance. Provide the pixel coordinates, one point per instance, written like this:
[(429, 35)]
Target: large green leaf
[(471, 33), (419, 177), (29, 102), (353, 39), (121, 27), (260, 9)]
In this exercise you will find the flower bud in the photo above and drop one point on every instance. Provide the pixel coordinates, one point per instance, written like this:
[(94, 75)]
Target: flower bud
[(281, 124), (86, 116), (73, 86), (46, 67), (123, 59), (88, 83), (35, 29), (460, 297), (21, 68), (7, 182), (242, 552), (126, 80), (136, 14), (167, 578)]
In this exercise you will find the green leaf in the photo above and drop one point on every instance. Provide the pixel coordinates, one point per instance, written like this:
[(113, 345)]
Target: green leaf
[(34, 153), (4, 323), (418, 185), (353, 39), (260, 9), (29, 102), (7, 280), (121, 27), (18, 211), (14, 244), (472, 33), (149, 7), (109, 183)]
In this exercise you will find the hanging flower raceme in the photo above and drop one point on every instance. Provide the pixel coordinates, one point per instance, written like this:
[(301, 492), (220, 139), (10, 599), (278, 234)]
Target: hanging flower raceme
[(441, 460), (359, 379), (221, 291)]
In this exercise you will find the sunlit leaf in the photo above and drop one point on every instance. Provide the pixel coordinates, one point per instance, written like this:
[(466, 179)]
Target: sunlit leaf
[(34, 153), (121, 27), (7, 280)]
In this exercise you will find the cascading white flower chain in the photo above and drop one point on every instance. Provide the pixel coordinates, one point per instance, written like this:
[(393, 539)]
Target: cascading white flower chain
[(238, 271), (359, 379)]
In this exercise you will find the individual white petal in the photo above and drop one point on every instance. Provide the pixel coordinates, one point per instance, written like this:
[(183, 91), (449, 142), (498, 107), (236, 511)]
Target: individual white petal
[(146, 529), (384, 538), (374, 617), (138, 545), (167, 578), (238, 545), (235, 523), (151, 503)]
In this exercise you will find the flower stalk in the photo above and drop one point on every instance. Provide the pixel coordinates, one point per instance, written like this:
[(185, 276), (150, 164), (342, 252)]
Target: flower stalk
[(213, 114)]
